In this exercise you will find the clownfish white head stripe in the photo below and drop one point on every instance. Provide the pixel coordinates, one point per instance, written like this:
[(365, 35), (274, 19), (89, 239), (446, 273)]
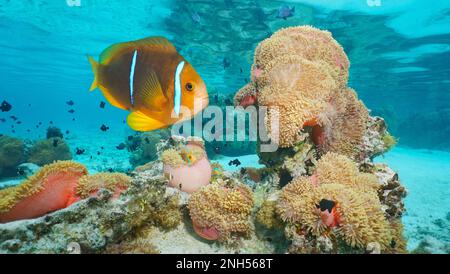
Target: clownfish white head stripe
[(177, 87), (133, 66)]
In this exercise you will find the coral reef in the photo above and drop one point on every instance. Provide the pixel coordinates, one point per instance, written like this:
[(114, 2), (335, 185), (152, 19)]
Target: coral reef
[(49, 150), (12, 154), (89, 185), (50, 189), (320, 192), (187, 167), (218, 211), (338, 203)]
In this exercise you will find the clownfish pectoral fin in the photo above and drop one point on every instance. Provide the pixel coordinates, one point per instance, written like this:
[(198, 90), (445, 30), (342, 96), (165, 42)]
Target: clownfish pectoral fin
[(94, 65), (140, 122), (150, 92)]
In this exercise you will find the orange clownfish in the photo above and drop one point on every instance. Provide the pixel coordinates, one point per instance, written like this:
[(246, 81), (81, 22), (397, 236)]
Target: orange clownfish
[(152, 80)]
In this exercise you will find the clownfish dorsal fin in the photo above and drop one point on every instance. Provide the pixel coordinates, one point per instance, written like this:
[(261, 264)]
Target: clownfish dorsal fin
[(150, 93), (156, 42), (151, 43)]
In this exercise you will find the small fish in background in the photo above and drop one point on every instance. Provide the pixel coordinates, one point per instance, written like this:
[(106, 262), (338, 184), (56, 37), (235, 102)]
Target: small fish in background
[(13, 131), (196, 17), (28, 130), (5, 106), (79, 151), (14, 118), (120, 146), (71, 111), (226, 63), (152, 80), (70, 103), (241, 70), (40, 123), (104, 128), (67, 132), (19, 122), (102, 148), (234, 162), (102, 104), (3, 120), (285, 12), (51, 122), (73, 119), (98, 152), (55, 142)]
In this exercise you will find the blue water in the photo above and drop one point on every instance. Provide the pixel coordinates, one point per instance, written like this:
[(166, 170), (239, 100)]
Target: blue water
[(399, 52)]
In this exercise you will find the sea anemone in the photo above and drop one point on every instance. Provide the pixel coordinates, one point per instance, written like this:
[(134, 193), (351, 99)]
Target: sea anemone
[(300, 74), (218, 211), (89, 185), (187, 168), (50, 189), (337, 200), (307, 42)]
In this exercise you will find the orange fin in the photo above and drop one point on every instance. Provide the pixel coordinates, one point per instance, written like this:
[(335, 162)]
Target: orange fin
[(151, 43), (94, 65), (150, 93), (141, 122)]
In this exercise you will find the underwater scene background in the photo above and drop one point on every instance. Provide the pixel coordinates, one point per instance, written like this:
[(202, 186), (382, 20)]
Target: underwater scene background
[(399, 53)]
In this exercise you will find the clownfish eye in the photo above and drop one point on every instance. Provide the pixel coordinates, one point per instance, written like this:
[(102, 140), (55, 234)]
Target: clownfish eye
[(189, 87)]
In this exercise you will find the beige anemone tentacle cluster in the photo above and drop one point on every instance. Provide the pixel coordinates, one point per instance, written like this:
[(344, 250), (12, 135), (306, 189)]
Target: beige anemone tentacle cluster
[(301, 74)]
